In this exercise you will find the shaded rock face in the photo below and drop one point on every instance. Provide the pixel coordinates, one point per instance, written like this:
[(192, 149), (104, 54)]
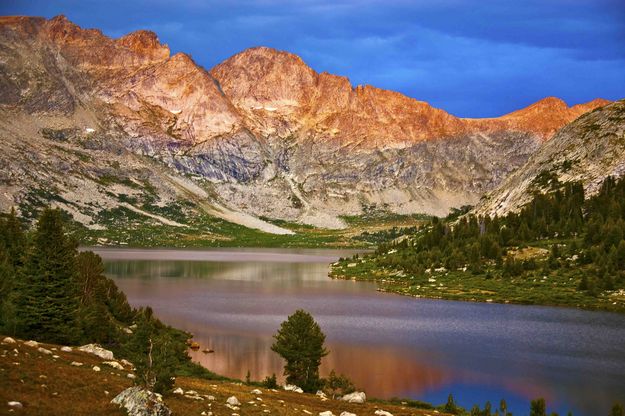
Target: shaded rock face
[(261, 133), (140, 402), (588, 150)]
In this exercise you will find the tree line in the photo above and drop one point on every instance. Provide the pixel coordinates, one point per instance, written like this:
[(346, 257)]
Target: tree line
[(52, 292), (579, 232)]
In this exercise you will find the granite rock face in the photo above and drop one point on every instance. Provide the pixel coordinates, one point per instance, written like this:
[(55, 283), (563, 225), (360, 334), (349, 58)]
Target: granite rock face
[(137, 401), (261, 134), (588, 150)]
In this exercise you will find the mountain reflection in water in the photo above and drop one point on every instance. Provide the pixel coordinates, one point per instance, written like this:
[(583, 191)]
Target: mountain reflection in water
[(233, 302)]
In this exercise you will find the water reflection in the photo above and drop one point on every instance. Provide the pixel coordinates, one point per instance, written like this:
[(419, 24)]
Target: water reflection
[(389, 345)]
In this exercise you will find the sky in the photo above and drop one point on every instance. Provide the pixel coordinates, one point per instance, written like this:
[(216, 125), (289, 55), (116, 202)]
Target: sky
[(471, 58)]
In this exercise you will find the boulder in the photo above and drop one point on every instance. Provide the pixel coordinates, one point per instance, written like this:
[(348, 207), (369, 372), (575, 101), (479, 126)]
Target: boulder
[(291, 387), (140, 402), (114, 364), (126, 363), (383, 413), (178, 390), (233, 401), (76, 364), (44, 351), (355, 397), (96, 368), (131, 376), (347, 414), (15, 405), (9, 340), (326, 413), (97, 350), (66, 349), (194, 397), (31, 344), (256, 391)]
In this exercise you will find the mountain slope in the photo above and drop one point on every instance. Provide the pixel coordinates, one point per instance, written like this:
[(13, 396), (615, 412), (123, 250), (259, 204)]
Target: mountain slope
[(96, 125), (587, 150)]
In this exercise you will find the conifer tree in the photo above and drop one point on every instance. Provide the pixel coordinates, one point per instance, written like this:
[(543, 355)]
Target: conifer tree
[(300, 342), (450, 406), (157, 351), (46, 299), (12, 244), (538, 407), (617, 410)]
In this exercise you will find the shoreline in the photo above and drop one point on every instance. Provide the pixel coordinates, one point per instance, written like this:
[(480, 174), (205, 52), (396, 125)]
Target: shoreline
[(384, 286)]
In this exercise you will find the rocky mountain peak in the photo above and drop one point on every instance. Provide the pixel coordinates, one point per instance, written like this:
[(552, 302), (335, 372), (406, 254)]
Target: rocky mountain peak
[(143, 42), (89, 47), (587, 150), (262, 132), (266, 78), (548, 115)]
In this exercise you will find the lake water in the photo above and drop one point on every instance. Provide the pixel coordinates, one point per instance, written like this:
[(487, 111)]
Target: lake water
[(234, 300)]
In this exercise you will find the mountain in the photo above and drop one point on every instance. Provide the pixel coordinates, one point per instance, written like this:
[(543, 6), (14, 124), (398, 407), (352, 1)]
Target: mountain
[(93, 124), (588, 150)]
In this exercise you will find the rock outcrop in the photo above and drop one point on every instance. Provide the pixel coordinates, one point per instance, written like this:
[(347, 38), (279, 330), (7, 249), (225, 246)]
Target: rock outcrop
[(587, 150), (93, 124), (140, 402), (355, 397), (97, 350)]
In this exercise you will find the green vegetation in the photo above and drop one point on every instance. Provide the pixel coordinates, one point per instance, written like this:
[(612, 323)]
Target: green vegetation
[(53, 293), (561, 249), (337, 385), (46, 293), (124, 227), (299, 342), (157, 351)]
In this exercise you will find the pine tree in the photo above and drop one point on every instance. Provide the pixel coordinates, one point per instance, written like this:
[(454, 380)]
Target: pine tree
[(7, 309), (12, 245), (46, 298), (338, 385), (12, 239), (617, 410), (450, 406), (95, 317), (300, 342), (538, 407), (157, 351), (503, 408)]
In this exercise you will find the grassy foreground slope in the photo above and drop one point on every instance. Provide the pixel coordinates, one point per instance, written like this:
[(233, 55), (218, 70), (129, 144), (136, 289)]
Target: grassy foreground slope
[(49, 385)]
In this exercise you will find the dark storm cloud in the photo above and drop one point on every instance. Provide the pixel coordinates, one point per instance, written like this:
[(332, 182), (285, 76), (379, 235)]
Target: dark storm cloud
[(472, 58)]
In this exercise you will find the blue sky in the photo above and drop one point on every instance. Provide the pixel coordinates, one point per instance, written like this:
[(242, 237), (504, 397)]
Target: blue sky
[(472, 58)]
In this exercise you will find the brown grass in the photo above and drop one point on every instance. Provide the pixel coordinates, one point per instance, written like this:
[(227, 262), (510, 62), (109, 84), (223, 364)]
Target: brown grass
[(49, 386)]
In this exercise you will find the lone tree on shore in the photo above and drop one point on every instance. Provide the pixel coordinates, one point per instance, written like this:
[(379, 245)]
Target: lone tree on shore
[(300, 342)]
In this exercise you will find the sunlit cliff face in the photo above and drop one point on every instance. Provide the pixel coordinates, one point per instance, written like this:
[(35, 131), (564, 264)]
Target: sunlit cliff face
[(264, 132), (262, 89)]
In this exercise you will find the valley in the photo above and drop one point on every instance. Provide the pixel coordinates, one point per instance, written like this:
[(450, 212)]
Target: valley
[(177, 214), (110, 129)]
